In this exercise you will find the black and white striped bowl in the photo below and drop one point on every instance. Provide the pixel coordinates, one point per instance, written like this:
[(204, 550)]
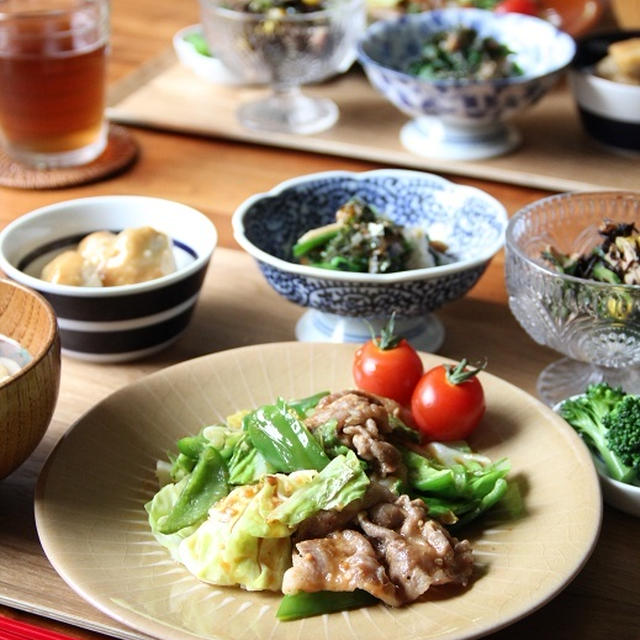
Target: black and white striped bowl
[(112, 324), (609, 110)]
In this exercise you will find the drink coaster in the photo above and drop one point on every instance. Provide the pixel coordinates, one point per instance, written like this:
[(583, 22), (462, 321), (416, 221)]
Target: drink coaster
[(120, 153)]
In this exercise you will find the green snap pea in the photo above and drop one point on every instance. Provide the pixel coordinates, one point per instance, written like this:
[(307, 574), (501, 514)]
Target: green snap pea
[(304, 605)]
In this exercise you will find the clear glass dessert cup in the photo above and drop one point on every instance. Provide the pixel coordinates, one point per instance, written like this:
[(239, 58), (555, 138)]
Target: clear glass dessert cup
[(291, 50), (596, 325)]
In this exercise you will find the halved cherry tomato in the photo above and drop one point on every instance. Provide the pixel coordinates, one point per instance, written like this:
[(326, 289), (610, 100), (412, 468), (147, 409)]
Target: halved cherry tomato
[(387, 366), (448, 402), (529, 7)]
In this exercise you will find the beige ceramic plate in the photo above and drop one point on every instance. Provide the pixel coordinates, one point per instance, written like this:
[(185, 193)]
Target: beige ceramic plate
[(91, 521)]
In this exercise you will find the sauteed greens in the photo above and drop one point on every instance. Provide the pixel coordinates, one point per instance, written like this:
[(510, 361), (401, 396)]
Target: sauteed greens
[(266, 498), (364, 240), (462, 54)]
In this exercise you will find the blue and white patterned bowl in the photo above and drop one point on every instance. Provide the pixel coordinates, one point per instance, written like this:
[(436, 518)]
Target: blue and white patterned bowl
[(471, 222), (469, 113)]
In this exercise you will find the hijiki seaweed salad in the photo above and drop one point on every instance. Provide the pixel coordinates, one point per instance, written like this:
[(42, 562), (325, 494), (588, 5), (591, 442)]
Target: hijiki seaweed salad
[(615, 260), (330, 500)]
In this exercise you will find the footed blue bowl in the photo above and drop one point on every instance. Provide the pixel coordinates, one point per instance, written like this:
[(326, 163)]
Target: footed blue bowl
[(471, 222), (463, 119)]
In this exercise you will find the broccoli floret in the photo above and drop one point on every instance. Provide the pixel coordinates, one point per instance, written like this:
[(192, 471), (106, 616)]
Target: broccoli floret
[(623, 432), (587, 414), (603, 398)]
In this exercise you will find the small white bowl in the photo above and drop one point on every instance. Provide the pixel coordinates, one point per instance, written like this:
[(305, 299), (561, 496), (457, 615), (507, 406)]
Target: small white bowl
[(609, 110), (208, 67), (620, 495), (119, 323)]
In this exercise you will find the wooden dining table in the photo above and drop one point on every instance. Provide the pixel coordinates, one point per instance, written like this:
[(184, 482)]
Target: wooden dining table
[(238, 308)]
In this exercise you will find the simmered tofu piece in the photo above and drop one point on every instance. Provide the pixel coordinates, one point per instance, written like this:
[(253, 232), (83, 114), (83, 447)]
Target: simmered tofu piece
[(622, 64), (97, 247), (138, 255), (70, 268), (626, 54), (106, 259)]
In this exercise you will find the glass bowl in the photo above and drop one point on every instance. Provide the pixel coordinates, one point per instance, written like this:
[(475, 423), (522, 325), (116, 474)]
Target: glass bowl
[(596, 325), (289, 50)]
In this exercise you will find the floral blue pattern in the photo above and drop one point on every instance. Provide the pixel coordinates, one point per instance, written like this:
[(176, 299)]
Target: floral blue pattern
[(540, 49), (471, 222)]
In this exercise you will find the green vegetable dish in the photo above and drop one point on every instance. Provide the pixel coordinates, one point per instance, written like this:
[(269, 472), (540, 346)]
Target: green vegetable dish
[(329, 500), (462, 54), (364, 240), (608, 420)]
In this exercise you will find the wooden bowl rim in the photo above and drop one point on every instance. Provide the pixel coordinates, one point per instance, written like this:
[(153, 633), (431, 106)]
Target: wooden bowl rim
[(51, 337)]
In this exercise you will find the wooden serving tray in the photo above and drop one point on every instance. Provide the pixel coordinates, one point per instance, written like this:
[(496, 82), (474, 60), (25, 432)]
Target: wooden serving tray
[(225, 317), (555, 153)]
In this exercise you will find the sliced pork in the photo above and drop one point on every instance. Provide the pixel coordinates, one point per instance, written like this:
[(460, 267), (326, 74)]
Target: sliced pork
[(362, 424), (342, 561), (323, 522), (417, 552), (397, 555)]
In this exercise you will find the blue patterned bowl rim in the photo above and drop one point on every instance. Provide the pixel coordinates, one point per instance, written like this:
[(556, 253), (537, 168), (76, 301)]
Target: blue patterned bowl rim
[(516, 18), (561, 199), (237, 222)]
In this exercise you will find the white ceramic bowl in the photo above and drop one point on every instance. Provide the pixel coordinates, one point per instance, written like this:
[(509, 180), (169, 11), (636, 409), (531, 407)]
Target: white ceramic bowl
[(111, 324), (609, 111), (469, 221), (620, 495)]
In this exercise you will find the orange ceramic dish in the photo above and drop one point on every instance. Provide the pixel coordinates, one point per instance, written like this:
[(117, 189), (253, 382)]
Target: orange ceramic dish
[(576, 17)]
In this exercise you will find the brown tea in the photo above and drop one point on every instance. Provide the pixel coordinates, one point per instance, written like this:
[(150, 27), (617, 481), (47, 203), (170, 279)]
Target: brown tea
[(55, 103), (53, 77)]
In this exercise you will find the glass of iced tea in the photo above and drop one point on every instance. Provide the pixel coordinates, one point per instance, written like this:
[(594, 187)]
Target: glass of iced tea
[(53, 57)]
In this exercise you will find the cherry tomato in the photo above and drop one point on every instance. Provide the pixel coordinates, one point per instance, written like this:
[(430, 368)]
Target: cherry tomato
[(448, 402), (387, 366), (529, 7)]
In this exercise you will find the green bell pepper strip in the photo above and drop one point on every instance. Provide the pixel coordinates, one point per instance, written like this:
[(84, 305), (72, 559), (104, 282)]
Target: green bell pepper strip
[(206, 485), (192, 446), (304, 605), (181, 466), (302, 406), (282, 438)]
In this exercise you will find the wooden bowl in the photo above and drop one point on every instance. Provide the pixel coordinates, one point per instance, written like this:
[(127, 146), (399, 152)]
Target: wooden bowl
[(28, 398)]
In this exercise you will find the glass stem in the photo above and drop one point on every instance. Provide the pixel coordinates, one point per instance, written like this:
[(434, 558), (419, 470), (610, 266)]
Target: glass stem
[(285, 93)]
